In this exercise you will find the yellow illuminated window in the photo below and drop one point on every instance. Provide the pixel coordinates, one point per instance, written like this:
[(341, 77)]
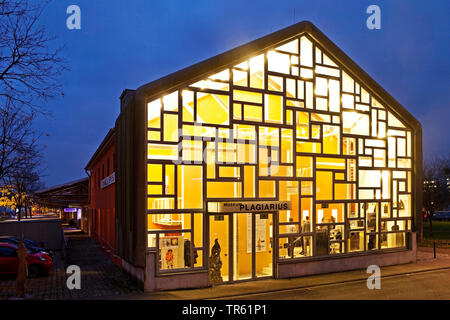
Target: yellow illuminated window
[(190, 190), (170, 101), (154, 189), (154, 135), (237, 111), (247, 96), (240, 78), (306, 52), (291, 46), (222, 189), (355, 123), (169, 179), (344, 191), (302, 124), (289, 117), (162, 151), (268, 136), (249, 181), (154, 113), (252, 113), (321, 86), (212, 108), (257, 72), (324, 185), (192, 150), (154, 172), (160, 203), (334, 96), (171, 127), (339, 176), (330, 163), (286, 145), (266, 188), (307, 188), (331, 139), (278, 62), (308, 147), (347, 83), (275, 83), (229, 172), (273, 109), (304, 166)]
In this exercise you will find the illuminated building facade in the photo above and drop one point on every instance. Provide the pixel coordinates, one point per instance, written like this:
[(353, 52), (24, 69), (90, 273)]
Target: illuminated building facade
[(279, 158)]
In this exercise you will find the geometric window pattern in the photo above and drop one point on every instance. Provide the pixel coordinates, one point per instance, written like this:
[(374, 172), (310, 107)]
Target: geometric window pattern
[(286, 124)]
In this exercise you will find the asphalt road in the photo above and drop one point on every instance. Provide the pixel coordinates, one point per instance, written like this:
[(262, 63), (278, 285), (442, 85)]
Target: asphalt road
[(429, 285)]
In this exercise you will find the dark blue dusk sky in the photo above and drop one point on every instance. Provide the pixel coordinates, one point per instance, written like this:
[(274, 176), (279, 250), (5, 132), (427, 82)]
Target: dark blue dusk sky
[(125, 44)]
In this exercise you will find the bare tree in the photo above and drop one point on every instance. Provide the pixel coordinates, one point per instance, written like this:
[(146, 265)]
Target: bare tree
[(436, 191), (30, 66), (24, 180), (17, 137)]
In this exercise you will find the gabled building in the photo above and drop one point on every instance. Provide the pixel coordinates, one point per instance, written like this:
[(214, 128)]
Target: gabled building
[(278, 158)]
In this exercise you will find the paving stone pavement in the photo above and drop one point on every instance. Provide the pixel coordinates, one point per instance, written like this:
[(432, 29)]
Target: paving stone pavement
[(99, 275)]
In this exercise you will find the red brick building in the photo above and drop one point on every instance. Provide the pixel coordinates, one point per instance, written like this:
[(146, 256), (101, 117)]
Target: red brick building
[(102, 194)]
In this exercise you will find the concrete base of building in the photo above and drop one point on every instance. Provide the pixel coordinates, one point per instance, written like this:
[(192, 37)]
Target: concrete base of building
[(328, 264), (306, 268), (339, 264), (185, 280), (136, 273)]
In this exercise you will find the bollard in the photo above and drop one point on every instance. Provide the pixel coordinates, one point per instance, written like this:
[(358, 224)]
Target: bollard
[(434, 250)]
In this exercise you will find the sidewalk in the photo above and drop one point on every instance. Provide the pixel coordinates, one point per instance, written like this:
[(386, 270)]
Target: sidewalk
[(100, 277), (425, 262)]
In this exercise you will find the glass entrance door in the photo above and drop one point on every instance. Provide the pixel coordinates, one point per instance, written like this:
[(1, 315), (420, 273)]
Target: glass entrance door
[(241, 246), (263, 249)]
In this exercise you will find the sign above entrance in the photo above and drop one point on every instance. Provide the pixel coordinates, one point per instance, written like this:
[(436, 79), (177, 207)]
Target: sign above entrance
[(254, 206)]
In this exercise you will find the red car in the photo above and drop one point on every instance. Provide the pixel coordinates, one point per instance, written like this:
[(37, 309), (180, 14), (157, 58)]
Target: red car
[(38, 262)]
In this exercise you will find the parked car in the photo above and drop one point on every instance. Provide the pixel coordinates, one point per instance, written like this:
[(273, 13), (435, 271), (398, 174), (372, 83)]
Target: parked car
[(29, 244), (38, 262), (441, 215)]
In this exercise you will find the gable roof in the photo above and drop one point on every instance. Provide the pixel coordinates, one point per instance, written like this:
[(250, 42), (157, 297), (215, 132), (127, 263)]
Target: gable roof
[(229, 58), (73, 193), (107, 141)]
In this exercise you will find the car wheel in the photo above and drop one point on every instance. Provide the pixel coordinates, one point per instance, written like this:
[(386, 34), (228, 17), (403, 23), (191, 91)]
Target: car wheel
[(34, 271)]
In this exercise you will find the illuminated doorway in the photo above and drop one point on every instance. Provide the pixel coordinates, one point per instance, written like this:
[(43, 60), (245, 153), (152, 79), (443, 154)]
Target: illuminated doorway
[(246, 246)]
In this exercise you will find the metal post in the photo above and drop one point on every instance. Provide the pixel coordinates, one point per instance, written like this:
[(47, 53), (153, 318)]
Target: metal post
[(434, 250)]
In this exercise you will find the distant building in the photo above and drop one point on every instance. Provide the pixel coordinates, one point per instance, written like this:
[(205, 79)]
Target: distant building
[(279, 158)]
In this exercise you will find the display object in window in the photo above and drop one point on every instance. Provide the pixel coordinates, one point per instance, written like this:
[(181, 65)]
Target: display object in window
[(171, 253), (215, 264), (372, 242), (322, 242), (187, 253), (354, 241)]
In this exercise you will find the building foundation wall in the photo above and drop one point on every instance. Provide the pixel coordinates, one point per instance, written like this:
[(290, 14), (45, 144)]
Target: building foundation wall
[(136, 273), (286, 270), (290, 270), (172, 281)]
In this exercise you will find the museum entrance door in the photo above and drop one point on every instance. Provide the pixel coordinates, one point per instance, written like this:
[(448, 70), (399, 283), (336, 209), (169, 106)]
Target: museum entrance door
[(246, 246)]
